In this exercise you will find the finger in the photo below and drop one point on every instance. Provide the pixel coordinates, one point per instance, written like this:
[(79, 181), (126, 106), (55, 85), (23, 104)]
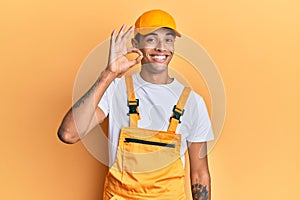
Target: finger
[(113, 33), (135, 61), (113, 37), (138, 59), (128, 33), (121, 32), (135, 50)]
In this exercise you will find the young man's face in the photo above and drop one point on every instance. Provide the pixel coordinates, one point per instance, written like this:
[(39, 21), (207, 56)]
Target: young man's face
[(157, 47)]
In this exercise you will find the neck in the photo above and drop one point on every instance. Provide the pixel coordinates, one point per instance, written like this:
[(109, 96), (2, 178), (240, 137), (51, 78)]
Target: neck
[(159, 78)]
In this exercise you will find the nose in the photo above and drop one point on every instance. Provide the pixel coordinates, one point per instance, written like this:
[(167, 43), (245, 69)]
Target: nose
[(160, 46)]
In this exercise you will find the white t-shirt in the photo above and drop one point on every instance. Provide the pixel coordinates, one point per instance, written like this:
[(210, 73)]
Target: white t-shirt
[(156, 102)]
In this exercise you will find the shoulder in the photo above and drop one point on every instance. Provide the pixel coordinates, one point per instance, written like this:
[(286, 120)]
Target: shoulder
[(195, 103), (193, 98), (115, 84)]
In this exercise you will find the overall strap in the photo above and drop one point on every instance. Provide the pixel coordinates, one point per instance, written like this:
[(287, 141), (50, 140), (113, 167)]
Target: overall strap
[(132, 102), (178, 109)]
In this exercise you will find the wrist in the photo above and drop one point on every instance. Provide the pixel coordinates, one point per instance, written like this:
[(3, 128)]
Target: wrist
[(110, 72)]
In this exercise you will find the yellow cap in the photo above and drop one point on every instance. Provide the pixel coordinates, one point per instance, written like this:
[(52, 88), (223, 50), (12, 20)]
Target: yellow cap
[(153, 20)]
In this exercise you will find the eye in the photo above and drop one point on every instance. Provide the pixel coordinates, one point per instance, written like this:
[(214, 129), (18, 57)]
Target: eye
[(169, 40), (150, 40)]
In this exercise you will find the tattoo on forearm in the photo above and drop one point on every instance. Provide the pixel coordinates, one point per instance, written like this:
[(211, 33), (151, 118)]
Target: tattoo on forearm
[(199, 192), (86, 95)]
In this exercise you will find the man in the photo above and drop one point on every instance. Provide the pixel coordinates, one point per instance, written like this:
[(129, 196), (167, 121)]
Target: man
[(147, 146)]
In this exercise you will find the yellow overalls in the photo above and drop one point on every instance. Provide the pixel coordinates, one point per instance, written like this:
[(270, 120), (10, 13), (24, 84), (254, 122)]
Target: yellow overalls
[(148, 163)]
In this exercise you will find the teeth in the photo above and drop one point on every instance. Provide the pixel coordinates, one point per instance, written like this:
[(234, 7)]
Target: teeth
[(159, 57)]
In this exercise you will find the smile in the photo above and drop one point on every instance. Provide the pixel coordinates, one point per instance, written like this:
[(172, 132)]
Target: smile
[(159, 58)]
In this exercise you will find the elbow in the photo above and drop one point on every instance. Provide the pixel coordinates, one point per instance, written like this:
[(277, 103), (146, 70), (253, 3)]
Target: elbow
[(67, 136)]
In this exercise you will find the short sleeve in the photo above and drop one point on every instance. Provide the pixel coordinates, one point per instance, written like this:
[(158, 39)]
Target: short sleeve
[(201, 126), (104, 103)]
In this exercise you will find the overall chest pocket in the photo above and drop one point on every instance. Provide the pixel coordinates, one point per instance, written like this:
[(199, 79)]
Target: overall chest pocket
[(147, 142)]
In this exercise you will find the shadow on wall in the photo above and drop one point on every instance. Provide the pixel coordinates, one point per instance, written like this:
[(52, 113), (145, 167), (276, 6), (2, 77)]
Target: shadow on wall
[(96, 142)]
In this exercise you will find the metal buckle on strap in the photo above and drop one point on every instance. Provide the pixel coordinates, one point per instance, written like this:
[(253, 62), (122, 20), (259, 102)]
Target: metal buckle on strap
[(133, 106), (177, 113)]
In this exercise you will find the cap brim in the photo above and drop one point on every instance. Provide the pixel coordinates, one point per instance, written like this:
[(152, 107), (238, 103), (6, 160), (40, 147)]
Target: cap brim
[(145, 31)]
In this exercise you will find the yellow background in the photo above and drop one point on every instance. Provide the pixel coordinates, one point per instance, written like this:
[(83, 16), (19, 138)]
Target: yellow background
[(255, 45)]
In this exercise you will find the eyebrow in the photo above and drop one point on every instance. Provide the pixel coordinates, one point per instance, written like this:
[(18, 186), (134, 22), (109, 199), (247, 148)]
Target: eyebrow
[(155, 34), (171, 33), (150, 34)]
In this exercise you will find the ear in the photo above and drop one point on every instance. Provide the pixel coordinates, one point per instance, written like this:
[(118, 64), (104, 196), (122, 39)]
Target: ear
[(134, 43)]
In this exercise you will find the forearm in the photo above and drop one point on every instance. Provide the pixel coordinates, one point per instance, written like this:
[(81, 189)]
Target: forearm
[(81, 115), (199, 171), (201, 188)]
